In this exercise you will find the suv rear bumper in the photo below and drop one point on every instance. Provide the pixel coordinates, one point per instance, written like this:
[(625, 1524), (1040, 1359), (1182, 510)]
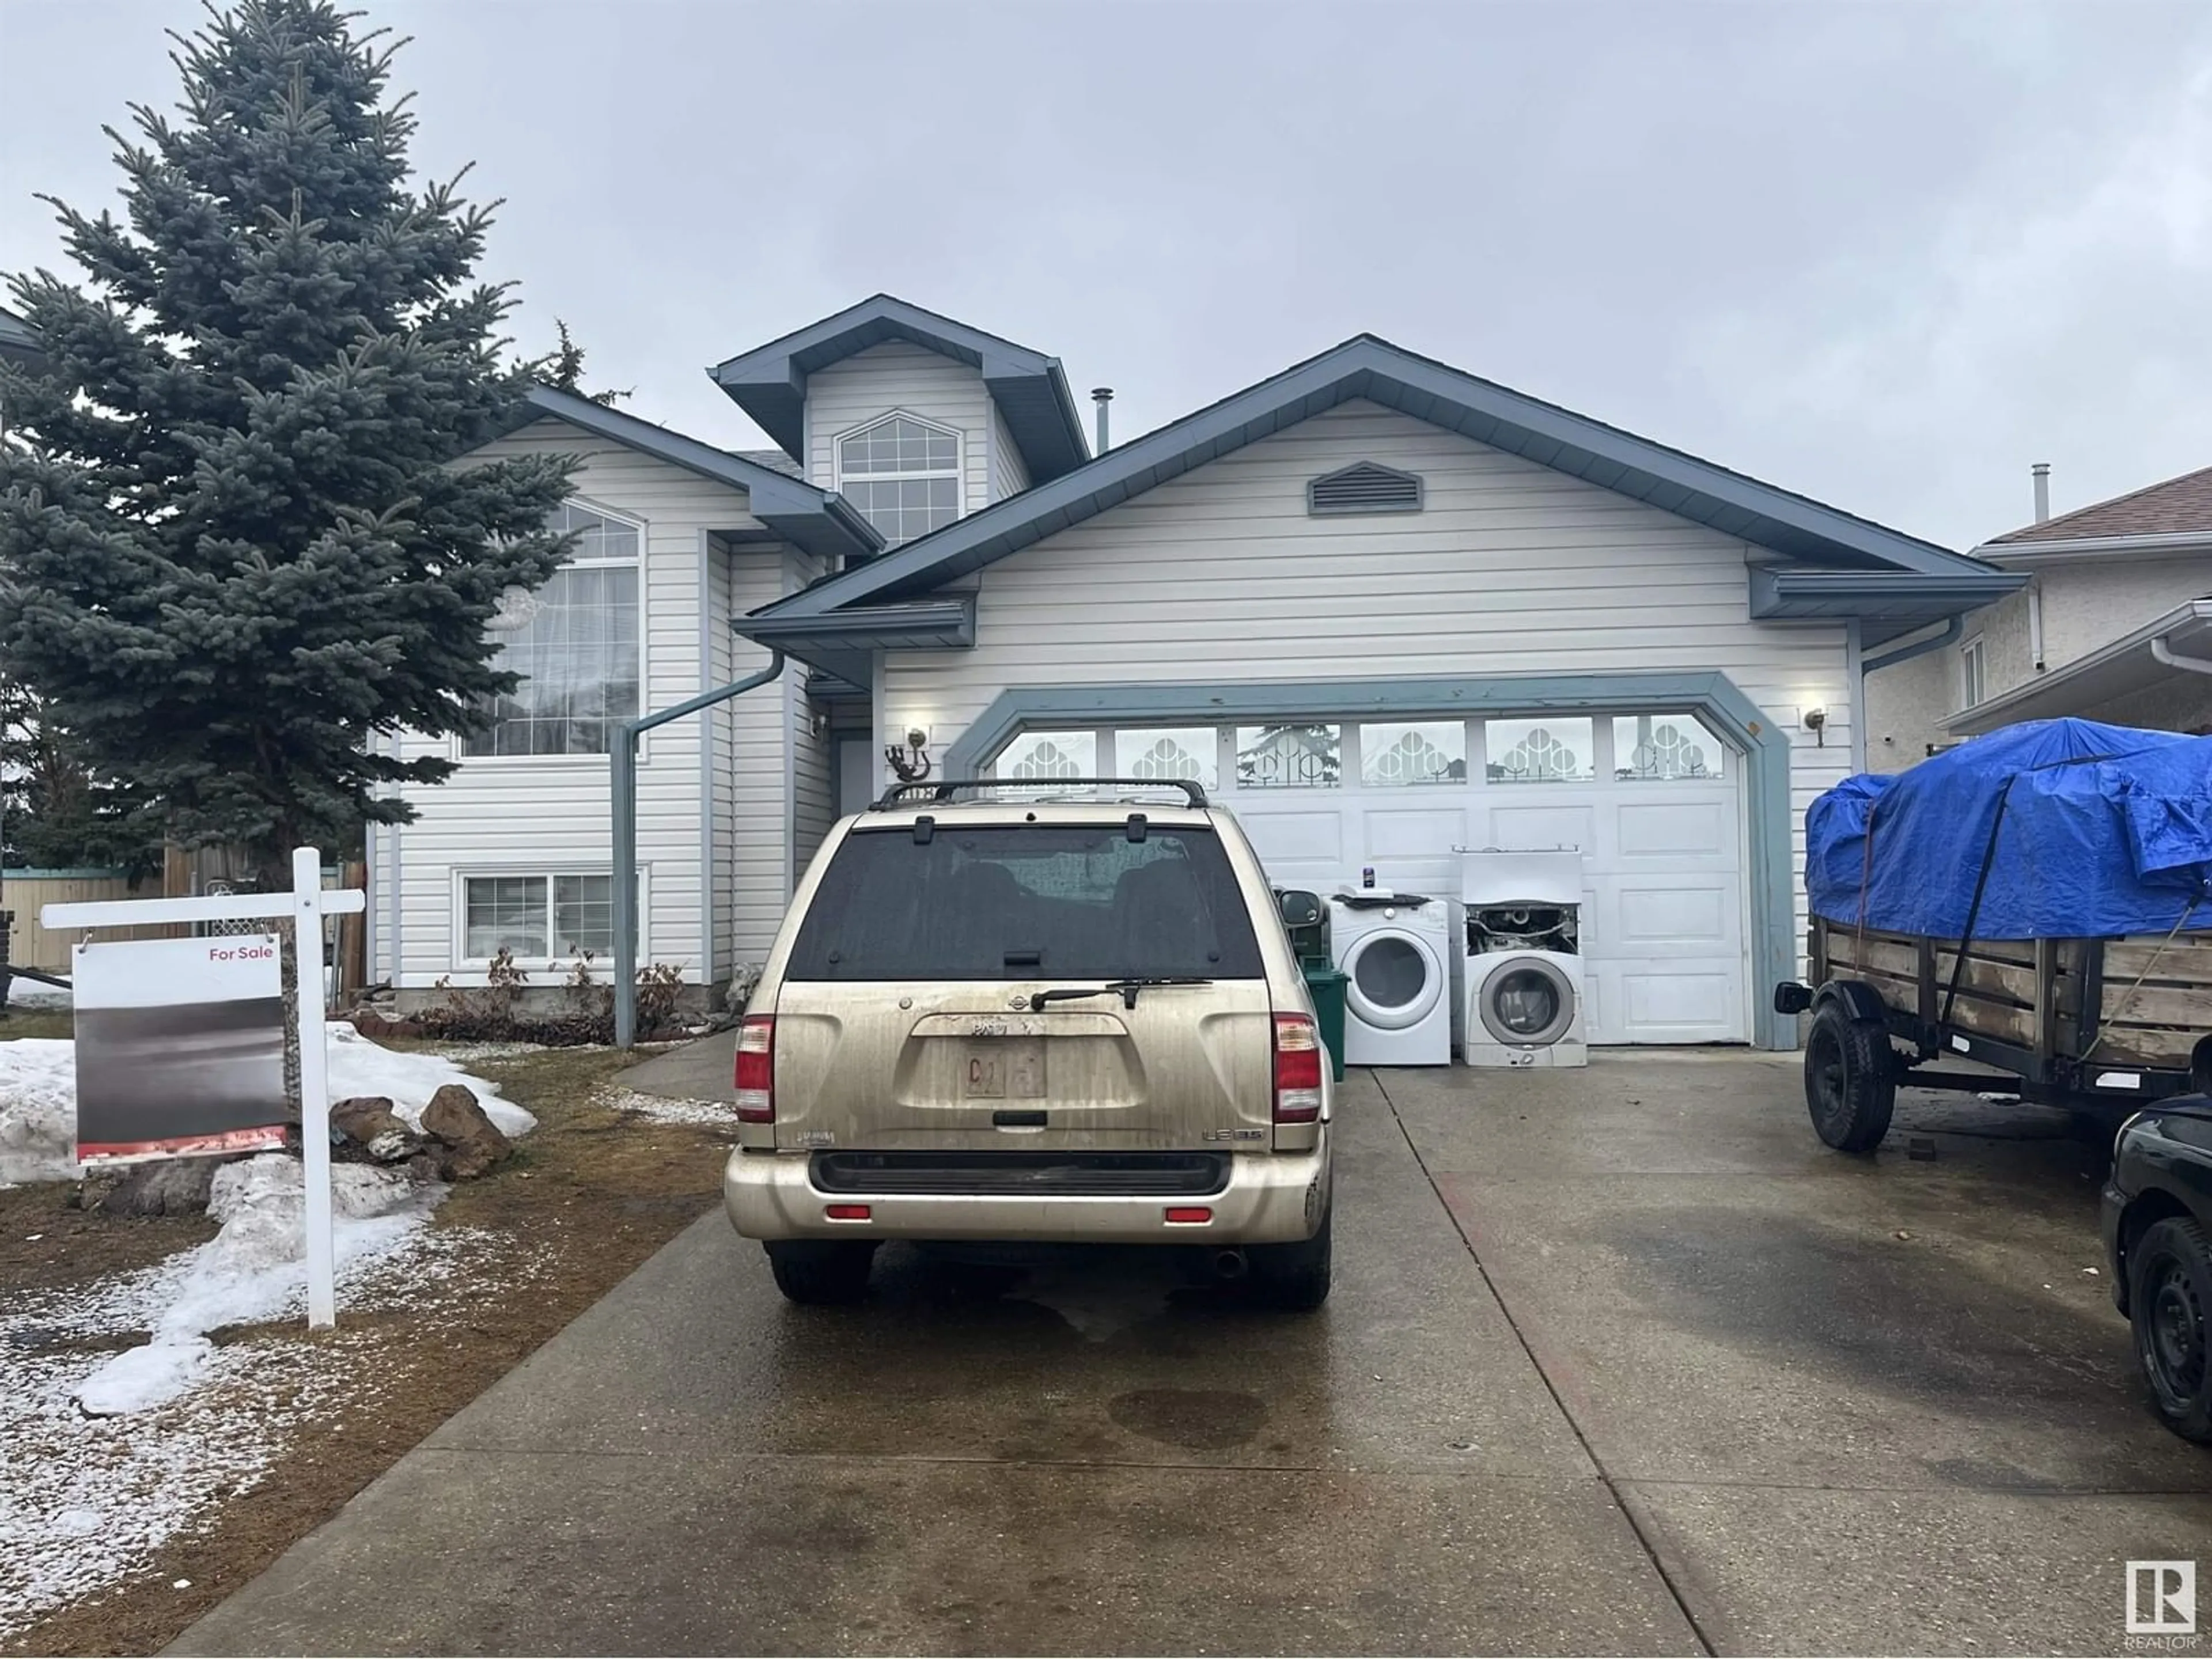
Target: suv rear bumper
[(1272, 1198)]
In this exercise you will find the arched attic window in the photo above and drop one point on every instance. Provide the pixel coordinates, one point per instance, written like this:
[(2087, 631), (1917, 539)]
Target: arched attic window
[(903, 475)]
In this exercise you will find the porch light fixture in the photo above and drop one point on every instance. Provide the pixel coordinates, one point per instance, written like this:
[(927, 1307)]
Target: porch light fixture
[(1816, 721), (911, 763)]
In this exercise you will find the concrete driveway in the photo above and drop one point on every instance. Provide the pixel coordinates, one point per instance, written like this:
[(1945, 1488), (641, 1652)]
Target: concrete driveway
[(1619, 1360)]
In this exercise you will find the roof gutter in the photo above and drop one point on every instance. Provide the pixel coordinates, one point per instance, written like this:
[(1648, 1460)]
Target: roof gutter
[(2167, 657), (2186, 541), (1952, 627)]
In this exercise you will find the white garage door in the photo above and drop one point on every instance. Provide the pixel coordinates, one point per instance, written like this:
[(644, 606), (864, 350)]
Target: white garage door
[(1653, 801)]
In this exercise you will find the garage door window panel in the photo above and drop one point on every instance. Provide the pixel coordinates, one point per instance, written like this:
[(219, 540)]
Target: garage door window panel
[(1041, 757), (1410, 754), (1666, 748), (1163, 754), (1548, 750), (1291, 757)]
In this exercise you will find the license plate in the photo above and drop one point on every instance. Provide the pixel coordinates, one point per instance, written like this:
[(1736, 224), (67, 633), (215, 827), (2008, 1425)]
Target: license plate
[(1012, 1069)]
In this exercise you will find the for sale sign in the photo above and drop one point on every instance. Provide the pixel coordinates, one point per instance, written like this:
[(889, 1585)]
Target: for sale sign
[(179, 1048)]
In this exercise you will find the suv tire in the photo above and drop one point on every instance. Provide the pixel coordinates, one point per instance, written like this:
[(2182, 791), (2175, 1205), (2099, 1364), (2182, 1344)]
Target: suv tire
[(820, 1272), (2170, 1306), (1850, 1081), (1290, 1278)]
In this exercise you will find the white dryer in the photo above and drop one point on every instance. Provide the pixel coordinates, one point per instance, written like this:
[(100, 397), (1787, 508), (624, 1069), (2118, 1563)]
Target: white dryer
[(1522, 966), (1395, 950)]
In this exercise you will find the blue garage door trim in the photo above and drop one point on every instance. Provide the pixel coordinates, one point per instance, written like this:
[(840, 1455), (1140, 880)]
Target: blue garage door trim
[(1766, 754)]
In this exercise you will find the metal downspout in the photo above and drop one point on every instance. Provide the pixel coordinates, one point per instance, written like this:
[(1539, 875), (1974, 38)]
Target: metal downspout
[(1952, 627), (624, 781)]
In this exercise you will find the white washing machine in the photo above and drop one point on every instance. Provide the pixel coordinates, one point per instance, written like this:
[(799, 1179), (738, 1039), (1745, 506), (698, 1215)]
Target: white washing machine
[(1396, 950), (1522, 965)]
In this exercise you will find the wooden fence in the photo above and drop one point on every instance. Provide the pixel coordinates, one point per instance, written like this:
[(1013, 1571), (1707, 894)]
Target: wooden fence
[(29, 945), (23, 891)]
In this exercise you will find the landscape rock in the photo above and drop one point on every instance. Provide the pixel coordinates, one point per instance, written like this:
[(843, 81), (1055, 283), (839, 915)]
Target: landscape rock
[(370, 1023), (370, 1126), (175, 1187), (471, 1142)]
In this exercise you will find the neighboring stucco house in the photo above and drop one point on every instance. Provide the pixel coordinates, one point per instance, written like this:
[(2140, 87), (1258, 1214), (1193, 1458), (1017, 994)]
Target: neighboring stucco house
[(2114, 622), (1381, 608)]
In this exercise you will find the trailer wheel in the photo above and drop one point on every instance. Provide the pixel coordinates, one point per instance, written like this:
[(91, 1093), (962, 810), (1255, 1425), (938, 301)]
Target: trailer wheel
[(1850, 1079)]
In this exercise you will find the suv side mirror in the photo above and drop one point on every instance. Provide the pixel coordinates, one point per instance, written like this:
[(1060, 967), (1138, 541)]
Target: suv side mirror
[(1300, 909)]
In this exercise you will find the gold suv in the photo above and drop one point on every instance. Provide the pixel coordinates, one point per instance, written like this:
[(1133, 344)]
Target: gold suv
[(996, 1017)]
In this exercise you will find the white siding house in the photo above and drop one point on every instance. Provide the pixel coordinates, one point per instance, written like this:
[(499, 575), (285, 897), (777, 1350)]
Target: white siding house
[(1507, 626), (516, 846)]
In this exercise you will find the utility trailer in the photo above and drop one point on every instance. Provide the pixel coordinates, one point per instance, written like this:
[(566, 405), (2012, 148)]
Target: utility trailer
[(2102, 1026)]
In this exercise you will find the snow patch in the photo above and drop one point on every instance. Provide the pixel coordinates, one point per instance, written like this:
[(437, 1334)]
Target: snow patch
[(37, 1109), (254, 1269), (660, 1110), (37, 1096), (87, 1502)]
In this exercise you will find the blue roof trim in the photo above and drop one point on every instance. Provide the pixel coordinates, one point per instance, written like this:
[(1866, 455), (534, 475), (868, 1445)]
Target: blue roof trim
[(1368, 368), (1806, 593), (770, 382), (820, 521), (846, 644)]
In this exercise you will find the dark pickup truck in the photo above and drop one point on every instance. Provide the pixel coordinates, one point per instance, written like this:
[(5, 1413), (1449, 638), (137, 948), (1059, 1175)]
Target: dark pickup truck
[(2158, 1232)]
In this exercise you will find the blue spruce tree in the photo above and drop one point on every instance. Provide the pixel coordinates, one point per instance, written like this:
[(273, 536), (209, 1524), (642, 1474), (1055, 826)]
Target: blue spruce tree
[(232, 554)]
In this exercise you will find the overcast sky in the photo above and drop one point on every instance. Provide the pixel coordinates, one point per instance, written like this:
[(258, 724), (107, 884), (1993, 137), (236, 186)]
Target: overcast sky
[(1885, 254)]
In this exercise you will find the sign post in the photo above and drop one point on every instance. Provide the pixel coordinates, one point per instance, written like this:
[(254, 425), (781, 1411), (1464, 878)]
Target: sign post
[(228, 1065)]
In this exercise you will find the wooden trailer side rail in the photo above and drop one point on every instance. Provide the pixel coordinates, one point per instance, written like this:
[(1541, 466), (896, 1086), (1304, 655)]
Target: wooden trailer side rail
[(2127, 1001)]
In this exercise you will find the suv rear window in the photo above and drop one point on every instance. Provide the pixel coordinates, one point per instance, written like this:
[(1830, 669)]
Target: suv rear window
[(1027, 902)]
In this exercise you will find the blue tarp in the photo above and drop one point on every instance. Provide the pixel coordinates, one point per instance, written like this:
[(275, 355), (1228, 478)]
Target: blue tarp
[(2106, 829)]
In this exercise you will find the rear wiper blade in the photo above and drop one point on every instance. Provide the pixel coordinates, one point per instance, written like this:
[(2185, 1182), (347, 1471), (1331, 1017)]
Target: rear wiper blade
[(1126, 987)]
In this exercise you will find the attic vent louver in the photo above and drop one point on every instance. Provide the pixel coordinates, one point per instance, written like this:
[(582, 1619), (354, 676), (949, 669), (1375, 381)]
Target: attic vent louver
[(1364, 487)]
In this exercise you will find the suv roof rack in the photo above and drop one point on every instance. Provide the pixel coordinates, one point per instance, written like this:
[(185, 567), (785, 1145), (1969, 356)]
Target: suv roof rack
[(953, 788)]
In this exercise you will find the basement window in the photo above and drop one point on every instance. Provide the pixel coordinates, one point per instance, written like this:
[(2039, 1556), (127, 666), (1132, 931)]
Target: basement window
[(1364, 487), (550, 917)]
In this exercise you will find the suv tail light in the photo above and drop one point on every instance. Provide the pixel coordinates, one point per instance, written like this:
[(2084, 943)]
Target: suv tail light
[(1298, 1070), (756, 1069)]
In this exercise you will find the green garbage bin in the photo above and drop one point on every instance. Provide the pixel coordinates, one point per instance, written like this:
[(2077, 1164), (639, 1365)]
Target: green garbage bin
[(1326, 984)]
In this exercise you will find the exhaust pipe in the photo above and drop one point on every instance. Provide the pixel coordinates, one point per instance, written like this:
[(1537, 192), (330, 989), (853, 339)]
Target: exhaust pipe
[(1229, 1264)]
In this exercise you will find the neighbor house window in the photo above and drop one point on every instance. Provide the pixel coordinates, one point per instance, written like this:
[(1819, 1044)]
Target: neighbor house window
[(552, 916), (902, 475), (1972, 687), (575, 642)]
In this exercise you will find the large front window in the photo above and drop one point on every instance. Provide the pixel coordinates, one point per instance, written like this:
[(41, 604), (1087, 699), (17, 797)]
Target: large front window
[(902, 475), (575, 642)]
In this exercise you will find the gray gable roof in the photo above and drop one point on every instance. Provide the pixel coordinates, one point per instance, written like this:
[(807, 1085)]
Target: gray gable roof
[(1368, 368), (770, 382), (820, 521)]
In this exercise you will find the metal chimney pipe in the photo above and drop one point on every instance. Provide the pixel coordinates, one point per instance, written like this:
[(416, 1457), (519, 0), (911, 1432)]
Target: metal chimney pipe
[(1102, 395), (2041, 471)]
